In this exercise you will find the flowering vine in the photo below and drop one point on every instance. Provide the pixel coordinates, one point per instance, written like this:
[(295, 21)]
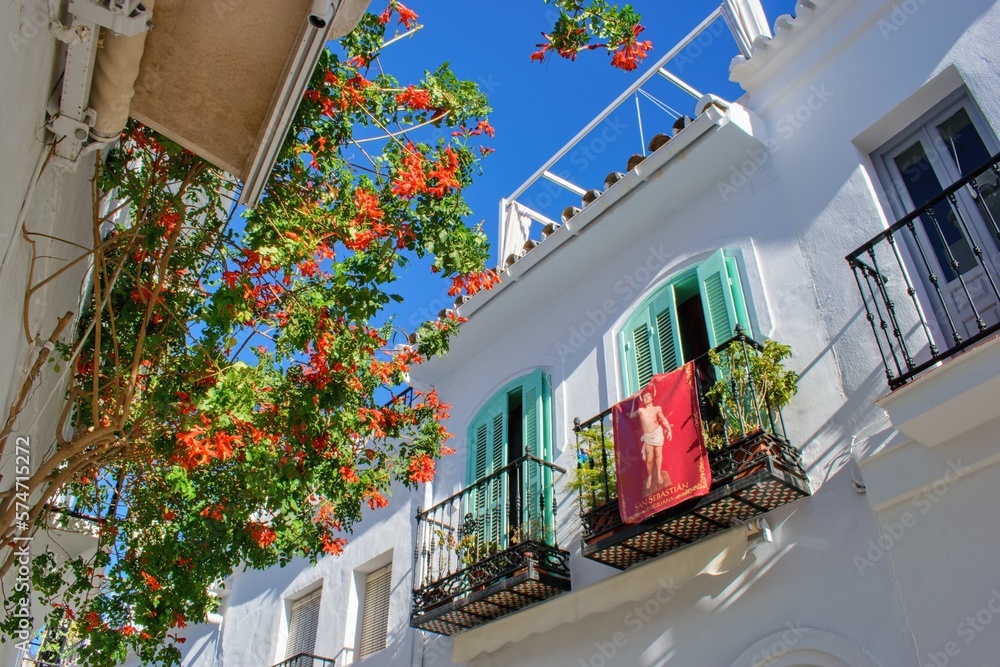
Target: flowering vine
[(230, 400), (583, 26)]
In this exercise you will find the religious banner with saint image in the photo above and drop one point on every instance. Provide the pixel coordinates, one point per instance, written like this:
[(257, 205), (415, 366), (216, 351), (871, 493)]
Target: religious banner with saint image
[(660, 454)]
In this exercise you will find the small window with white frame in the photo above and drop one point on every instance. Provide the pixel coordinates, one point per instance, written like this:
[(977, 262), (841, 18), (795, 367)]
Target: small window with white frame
[(303, 624), (375, 611)]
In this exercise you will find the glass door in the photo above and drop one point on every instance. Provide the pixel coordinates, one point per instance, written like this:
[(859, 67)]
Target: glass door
[(958, 248)]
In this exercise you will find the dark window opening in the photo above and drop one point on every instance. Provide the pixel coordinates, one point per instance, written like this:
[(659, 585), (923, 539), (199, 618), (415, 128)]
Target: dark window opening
[(694, 334), (515, 449)]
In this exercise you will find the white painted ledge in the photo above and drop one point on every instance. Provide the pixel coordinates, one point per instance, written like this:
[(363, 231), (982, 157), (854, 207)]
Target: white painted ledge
[(668, 573), (950, 399)]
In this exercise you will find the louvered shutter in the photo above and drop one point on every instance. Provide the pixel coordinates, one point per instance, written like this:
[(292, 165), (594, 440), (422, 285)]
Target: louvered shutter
[(718, 298), (545, 445), (536, 519), (303, 623), (651, 340), (497, 487), (637, 350), (667, 353), (488, 452), (375, 621), (738, 297), (479, 457)]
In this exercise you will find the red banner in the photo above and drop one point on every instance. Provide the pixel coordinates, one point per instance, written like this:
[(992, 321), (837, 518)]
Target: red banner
[(660, 454)]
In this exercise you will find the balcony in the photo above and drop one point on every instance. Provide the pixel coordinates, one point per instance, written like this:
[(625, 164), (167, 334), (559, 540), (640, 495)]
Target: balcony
[(929, 281), (756, 471), (65, 512), (489, 550)]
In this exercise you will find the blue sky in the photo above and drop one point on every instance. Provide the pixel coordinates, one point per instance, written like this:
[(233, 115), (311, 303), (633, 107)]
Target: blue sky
[(538, 108)]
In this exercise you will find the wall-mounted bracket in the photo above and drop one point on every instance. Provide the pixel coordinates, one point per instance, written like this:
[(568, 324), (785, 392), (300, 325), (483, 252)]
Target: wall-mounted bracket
[(72, 122), (124, 17)]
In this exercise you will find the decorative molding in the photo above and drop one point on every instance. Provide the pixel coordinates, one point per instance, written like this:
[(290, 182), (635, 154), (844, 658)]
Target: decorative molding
[(795, 646)]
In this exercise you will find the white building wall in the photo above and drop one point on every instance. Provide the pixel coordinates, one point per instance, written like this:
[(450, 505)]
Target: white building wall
[(256, 604), (856, 73), (60, 206), (937, 540)]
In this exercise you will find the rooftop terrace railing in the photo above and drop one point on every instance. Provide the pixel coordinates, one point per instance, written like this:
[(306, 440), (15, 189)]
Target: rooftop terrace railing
[(743, 19)]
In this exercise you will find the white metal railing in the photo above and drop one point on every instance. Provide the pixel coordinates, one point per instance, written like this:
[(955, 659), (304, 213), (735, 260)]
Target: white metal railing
[(519, 221)]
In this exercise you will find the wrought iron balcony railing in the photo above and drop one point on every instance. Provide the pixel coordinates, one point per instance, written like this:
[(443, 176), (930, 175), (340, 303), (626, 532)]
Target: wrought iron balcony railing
[(929, 281), (307, 660), (66, 512), (489, 550), (754, 469)]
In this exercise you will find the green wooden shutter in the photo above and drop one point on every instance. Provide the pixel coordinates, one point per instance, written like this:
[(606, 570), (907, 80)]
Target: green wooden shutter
[(487, 454), (494, 528), (480, 452), (721, 298), (536, 515), (548, 490), (667, 340), (637, 350), (651, 340), (478, 501), (488, 441), (738, 298)]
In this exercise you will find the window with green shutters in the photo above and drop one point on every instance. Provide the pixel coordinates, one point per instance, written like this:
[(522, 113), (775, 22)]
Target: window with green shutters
[(657, 338), (514, 423)]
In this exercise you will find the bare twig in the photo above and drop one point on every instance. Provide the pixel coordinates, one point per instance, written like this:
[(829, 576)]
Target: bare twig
[(29, 382)]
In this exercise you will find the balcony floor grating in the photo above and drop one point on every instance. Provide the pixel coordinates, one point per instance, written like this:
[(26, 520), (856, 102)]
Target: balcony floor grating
[(498, 599), (763, 484)]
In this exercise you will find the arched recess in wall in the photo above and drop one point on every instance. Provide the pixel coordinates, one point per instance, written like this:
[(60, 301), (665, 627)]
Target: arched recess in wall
[(509, 445), (805, 647), (682, 318)]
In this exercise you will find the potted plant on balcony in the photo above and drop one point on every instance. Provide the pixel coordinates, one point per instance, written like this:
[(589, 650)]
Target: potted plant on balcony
[(522, 539), (752, 387), (594, 476), (595, 480), (472, 550)]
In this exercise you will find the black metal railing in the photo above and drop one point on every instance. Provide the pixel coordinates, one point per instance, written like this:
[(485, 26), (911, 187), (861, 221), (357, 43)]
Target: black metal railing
[(406, 397), (307, 660), (487, 533), (34, 661), (744, 433), (66, 509), (929, 282)]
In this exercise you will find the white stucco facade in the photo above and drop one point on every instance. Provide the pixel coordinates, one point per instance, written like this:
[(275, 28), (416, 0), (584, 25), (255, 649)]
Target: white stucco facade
[(889, 562), (57, 214)]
